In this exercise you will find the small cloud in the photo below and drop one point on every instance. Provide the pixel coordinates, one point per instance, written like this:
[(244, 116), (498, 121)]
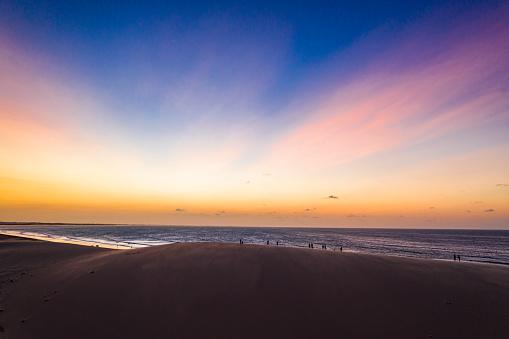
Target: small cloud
[(332, 197), (356, 216), (248, 181), (179, 210), (502, 185), (489, 210), (431, 207), (468, 211)]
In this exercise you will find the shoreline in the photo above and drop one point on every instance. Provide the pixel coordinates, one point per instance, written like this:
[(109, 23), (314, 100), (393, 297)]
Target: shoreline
[(48, 238)]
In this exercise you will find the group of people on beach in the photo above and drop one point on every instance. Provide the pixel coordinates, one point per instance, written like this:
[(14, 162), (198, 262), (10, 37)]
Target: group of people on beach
[(324, 246), (310, 245)]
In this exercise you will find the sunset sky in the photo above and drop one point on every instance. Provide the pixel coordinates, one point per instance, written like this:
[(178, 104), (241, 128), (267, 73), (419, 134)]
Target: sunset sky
[(314, 113)]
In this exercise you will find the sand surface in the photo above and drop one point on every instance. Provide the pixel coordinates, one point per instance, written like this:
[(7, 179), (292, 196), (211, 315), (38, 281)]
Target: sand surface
[(51, 290)]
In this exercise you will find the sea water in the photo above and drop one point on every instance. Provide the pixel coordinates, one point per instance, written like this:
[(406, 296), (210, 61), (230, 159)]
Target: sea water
[(490, 246)]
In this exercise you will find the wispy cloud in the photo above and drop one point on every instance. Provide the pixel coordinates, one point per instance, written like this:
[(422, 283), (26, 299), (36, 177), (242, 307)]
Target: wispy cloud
[(394, 102)]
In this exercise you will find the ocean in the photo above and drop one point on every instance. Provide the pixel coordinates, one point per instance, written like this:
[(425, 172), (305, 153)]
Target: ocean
[(488, 246)]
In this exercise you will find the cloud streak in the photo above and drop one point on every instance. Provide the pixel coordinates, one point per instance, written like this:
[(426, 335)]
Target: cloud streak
[(459, 85)]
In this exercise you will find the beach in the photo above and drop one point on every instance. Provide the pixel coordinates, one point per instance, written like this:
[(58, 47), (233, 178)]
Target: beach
[(211, 290)]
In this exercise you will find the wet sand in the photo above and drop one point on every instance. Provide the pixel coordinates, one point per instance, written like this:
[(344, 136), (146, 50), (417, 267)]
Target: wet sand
[(43, 237), (50, 290)]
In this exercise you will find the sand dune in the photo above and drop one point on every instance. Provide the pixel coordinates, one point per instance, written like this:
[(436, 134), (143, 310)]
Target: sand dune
[(248, 291)]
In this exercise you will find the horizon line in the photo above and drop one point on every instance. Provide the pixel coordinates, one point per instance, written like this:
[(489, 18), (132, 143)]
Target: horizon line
[(35, 223)]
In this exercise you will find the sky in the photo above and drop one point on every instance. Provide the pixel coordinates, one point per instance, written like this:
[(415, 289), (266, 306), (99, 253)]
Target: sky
[(301, 113)]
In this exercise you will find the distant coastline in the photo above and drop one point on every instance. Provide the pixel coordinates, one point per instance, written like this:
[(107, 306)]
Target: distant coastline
[(28, 223), (41, 223)]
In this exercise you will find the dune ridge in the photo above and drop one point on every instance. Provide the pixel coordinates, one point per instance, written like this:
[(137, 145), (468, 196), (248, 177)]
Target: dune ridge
[(209, 290)]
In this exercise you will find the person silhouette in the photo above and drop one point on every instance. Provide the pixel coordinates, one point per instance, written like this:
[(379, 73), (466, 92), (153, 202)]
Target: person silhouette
[(267, 242), (459, 258), (341, 249)]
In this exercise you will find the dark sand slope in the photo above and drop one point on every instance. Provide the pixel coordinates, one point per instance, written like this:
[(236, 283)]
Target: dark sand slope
[(19, 257), (22, 259), (233, 291)]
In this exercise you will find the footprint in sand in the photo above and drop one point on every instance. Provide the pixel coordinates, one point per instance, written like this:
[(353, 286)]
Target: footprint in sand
[(48, 296)]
